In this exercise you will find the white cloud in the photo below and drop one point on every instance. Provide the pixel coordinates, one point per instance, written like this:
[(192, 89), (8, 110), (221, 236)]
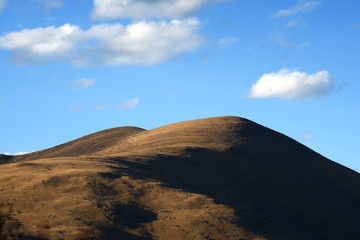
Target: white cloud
[(2, 4), (300, 7), (1, 98), (49, 4), (305, 136), (130, 104), (42, 42), (289, 84), (140, 9), (227, 41), (82, 83), (15, 154), (143, 43)]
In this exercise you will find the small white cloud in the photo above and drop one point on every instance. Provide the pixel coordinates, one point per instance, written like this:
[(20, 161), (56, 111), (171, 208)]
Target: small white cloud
[(227, 41), (49, 4), (305, 136), (140, 43), (15, 154), (142, 9), (82, 83), (2, 4), (290, 84), (300, 7), (1, 98), (130, 104), (76, 109)]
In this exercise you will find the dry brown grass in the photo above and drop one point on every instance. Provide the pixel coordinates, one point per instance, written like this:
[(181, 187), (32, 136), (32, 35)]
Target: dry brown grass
[(216, 178)]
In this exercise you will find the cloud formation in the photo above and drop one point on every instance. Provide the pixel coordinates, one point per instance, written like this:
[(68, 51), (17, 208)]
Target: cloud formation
[(130, 104), (295, 22), (227, 41), (2, 4), (140, 43), (290, 84), (300, 7), (140, 9), (49, 4), (82, 83)]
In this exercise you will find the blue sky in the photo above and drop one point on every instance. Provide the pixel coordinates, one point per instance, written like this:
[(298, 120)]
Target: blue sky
[(71, 68)]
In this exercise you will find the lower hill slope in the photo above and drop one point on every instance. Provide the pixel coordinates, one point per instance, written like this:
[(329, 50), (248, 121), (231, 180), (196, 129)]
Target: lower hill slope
[(214, 178)]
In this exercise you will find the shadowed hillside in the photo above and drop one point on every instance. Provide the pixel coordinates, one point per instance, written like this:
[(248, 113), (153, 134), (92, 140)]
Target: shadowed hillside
[(214, 178)]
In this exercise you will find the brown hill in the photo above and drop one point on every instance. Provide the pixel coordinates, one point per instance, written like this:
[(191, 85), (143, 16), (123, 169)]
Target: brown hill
[(83, 146), (214, 178)]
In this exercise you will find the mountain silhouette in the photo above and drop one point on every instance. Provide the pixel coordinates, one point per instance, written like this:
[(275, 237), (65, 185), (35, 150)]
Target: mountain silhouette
[(212, 178)]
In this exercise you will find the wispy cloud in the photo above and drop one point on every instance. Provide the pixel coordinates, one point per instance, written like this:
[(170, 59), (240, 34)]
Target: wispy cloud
[(1, 98), (140, 9), (281, 40), (286, 45), (227, 41), (76, 109), (290, 84), (300, 7), (304, 44), (130, 104), (140, 43), (98, 107), (2, 4), (295, 22), (305, 136), (82, 83), (49, 4)]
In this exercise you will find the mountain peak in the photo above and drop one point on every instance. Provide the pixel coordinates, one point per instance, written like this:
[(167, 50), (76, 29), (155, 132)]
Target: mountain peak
[(212, 178)]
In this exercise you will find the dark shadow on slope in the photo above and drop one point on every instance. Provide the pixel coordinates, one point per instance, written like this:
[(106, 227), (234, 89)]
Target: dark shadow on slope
[(126, 216), (5, 159), (122, 216), (10, 229), (114, 233), (132, 216), (287, 192)]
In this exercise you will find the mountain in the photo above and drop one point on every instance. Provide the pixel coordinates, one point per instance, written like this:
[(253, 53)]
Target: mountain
[(213, 178)]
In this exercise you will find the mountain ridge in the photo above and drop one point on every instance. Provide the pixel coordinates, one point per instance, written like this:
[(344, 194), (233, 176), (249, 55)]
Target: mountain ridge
[(213, 178)]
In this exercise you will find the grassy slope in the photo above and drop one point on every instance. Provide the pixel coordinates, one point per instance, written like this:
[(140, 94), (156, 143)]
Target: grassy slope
[(216, 178)]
